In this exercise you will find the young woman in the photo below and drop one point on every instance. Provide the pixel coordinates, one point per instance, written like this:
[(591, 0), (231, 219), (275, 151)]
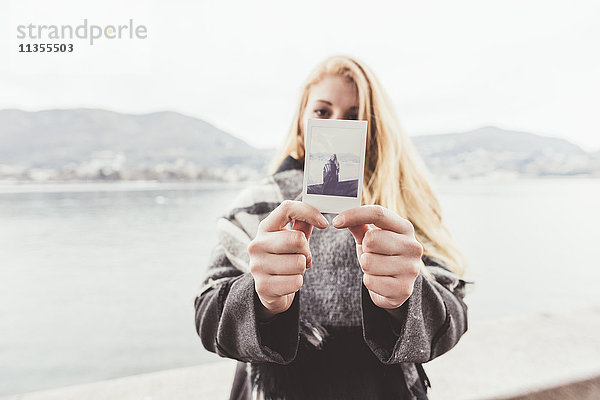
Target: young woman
[(349, 310), (331, 175)]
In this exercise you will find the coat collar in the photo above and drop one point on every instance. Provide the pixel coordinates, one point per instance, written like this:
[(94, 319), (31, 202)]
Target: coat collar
[(290, 163)]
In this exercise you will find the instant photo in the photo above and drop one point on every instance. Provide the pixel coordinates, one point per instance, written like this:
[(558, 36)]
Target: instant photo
[(334, 164)]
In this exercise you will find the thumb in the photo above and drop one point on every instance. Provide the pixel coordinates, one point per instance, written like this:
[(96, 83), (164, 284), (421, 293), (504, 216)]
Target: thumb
[(358, 231), (302, 226), (306, 228)]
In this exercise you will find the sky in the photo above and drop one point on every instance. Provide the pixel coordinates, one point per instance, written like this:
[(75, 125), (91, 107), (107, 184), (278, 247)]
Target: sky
[(447, 66), (340, 140)]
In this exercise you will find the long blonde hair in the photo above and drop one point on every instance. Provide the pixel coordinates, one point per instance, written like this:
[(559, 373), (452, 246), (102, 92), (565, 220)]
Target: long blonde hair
[(395, 175)]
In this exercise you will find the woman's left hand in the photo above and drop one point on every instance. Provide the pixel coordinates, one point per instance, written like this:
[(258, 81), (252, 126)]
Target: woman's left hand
[(388, 253)]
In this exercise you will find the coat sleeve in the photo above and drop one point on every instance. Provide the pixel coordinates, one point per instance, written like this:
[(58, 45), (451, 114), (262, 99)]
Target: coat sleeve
[(227, 303), (433, 319)]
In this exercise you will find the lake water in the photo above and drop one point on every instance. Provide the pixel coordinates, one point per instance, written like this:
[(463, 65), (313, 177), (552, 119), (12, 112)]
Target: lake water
[(97, 280)]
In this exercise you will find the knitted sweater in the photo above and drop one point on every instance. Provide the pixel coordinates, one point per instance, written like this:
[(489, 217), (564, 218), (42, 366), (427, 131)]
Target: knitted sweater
[(333, 342)]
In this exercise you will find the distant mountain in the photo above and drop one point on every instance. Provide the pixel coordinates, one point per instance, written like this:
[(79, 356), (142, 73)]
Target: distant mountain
[(99, 144), (92, 143), (493, 151), (53, 138), (342, 157)]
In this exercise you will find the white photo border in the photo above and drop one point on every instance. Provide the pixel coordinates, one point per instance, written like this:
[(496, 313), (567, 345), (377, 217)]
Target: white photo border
[(328, 203)]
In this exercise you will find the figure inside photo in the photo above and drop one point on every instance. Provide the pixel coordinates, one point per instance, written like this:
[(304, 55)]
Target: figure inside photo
[(331, 175)]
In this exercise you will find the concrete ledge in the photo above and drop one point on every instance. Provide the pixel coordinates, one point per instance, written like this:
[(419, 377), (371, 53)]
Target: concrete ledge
[(535, 357), (209, 381), (583, 390), (512, 357)]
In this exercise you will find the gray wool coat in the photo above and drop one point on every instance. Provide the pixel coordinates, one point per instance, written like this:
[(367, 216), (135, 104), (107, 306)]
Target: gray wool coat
[(333, 342)]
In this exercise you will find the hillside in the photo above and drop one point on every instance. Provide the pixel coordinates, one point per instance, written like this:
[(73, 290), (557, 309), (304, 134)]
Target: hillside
[(95, 143), (493, 151)]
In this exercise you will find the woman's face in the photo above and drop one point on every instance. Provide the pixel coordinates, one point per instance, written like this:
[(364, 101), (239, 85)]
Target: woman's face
[(334, 97)]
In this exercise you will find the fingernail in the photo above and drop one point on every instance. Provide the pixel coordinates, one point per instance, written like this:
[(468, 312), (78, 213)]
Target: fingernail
[(338, 220), (324, 221)]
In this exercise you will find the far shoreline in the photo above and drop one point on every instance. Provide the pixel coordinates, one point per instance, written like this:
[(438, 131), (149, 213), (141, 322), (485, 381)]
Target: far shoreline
[(7, 187)]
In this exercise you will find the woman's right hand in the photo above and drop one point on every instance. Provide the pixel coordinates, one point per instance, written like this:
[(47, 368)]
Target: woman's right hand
[(279, 256)]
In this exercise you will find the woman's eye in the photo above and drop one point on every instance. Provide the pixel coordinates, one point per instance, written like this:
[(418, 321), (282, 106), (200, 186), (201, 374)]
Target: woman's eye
[(321, 112)]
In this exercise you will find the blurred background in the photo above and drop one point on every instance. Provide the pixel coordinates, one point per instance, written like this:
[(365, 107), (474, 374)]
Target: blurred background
[(117, 158)]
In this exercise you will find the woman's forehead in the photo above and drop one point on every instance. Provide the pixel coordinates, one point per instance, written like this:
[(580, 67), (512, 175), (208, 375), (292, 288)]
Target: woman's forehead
[(336, 90)]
